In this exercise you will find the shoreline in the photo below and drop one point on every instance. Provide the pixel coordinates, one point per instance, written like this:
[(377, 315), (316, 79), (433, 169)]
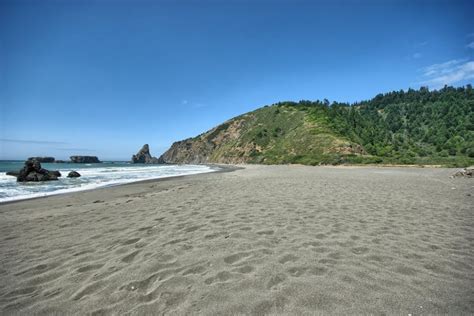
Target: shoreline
[(218, 168), (221, 168)]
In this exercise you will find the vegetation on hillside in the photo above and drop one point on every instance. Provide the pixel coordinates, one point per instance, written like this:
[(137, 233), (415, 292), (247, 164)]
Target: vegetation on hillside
[(401, 127), (416, 126)]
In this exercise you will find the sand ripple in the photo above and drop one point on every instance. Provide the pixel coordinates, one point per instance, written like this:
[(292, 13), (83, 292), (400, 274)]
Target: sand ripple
[(262, 240)]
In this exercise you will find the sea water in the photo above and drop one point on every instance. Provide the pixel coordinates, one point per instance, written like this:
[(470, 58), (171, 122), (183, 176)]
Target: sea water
[(93, 176)]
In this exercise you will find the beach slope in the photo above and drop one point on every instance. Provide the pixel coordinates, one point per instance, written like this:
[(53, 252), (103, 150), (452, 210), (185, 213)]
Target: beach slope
[(259, 240)]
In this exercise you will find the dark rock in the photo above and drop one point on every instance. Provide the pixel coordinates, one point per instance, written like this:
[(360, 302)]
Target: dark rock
[(42, 159), (144, 156), (13, 173), (85, 159), (60, 161), (73, 174), (55, 172), (32, 171)]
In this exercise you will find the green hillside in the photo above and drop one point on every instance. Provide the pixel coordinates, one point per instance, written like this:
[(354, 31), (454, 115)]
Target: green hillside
[(413, 127)]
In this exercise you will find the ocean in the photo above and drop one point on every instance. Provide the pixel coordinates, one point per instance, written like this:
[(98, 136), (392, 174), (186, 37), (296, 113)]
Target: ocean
[(93, 176)]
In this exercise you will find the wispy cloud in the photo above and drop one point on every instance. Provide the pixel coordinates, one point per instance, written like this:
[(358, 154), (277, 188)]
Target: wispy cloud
[(470, 45), (25, 141), (76, 149), (450, 72), (184, 102), (417, 55)]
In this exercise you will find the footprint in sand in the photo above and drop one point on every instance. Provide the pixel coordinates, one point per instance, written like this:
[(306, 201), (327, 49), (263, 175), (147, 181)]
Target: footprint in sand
[(236, 257), (222, 276), (275, 280), (245, 269), (129, 258), (89, 289), (288, 258), (195, 270), (297, 271), (90, 267), (130, 241), (265, 232)]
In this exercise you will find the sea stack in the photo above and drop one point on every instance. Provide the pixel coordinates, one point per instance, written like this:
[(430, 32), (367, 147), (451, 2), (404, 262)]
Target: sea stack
[(85, 159), (42, 159), (33, 172), (144, 156)]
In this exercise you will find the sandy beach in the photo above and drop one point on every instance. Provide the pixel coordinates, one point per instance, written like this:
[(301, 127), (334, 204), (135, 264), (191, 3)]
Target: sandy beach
[(258, 240)]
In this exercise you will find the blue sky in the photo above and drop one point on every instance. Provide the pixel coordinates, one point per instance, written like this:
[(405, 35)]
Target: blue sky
[(104, 77)]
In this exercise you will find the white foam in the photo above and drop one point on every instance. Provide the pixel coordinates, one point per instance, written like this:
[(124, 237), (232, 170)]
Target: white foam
[(91, 178)]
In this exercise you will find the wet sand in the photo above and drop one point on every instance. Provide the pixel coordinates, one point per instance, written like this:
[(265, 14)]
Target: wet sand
[(260, 240)]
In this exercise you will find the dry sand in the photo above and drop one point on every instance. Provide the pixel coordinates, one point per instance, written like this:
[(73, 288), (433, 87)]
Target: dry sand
[(261, 240)]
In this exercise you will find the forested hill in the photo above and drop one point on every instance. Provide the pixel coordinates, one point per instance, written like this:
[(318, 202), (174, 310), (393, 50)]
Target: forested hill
[(403, 127)]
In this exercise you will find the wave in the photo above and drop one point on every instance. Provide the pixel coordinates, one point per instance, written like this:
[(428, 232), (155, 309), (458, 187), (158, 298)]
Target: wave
[(91, 178)]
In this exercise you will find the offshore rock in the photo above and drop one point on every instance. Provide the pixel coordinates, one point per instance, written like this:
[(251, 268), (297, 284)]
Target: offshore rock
[(144, 156), (73, 174), (42, 159), (33, 172), (85, 159)]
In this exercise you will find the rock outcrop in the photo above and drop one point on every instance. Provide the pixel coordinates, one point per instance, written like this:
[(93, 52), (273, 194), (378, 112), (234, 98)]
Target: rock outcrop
[(42, 159), (190, 151), (73, 174), (144, 156), (33, 172), (466, 172), (85, 159)]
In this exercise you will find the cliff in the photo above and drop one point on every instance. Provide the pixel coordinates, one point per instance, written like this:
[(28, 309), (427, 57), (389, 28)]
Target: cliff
[(271, 135)]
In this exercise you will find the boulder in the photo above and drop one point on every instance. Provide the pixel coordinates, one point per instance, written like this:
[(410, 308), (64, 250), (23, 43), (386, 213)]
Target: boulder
[(73, 174), (466, 172), (42, 159), (33, 172), (55, 172), (85, 159), (60, 161), (144, 156)]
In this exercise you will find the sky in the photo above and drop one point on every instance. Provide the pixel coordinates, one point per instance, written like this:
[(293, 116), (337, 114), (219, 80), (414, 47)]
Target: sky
[(105, 77)]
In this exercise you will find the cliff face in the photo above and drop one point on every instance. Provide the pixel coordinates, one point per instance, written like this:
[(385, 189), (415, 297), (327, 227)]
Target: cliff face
[(272, 135)]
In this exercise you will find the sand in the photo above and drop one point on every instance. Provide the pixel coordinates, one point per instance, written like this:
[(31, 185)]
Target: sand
[(260, 240)]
